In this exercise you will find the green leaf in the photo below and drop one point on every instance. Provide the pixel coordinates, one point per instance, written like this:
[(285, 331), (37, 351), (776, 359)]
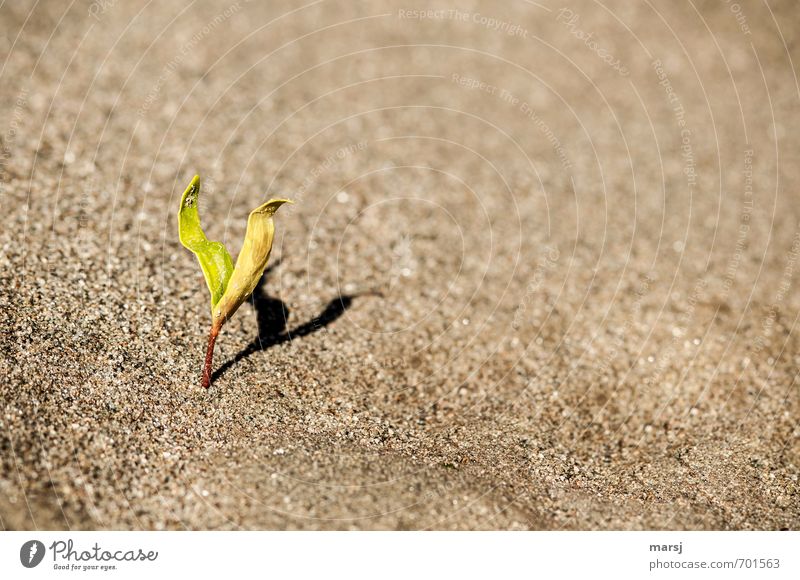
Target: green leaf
[(214, 258)]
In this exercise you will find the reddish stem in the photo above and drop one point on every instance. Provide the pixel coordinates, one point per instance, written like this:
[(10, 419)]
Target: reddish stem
[(212, 339)]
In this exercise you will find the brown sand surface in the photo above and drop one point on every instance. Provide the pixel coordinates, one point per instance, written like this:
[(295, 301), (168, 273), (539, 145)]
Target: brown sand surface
[(541, 272)]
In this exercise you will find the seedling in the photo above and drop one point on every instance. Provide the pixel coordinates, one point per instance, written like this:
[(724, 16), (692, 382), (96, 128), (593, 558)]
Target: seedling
[(229, 285)]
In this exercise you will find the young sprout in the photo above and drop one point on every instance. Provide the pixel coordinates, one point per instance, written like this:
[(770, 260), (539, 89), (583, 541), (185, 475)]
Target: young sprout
[(229, 285)]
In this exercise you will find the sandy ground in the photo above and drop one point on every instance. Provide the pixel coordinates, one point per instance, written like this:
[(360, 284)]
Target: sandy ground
[(541, 273)]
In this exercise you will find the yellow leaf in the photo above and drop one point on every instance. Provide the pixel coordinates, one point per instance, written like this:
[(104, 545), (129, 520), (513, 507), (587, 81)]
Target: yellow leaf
[(251, 262)]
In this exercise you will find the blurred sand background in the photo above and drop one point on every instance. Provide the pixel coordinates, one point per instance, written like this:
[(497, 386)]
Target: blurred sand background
[(541, 272)]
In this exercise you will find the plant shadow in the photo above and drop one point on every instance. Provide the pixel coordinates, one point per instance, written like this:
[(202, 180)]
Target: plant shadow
[(272, 316)]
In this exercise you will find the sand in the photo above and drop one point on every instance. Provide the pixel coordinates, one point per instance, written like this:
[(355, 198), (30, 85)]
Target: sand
[(541, 272)]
